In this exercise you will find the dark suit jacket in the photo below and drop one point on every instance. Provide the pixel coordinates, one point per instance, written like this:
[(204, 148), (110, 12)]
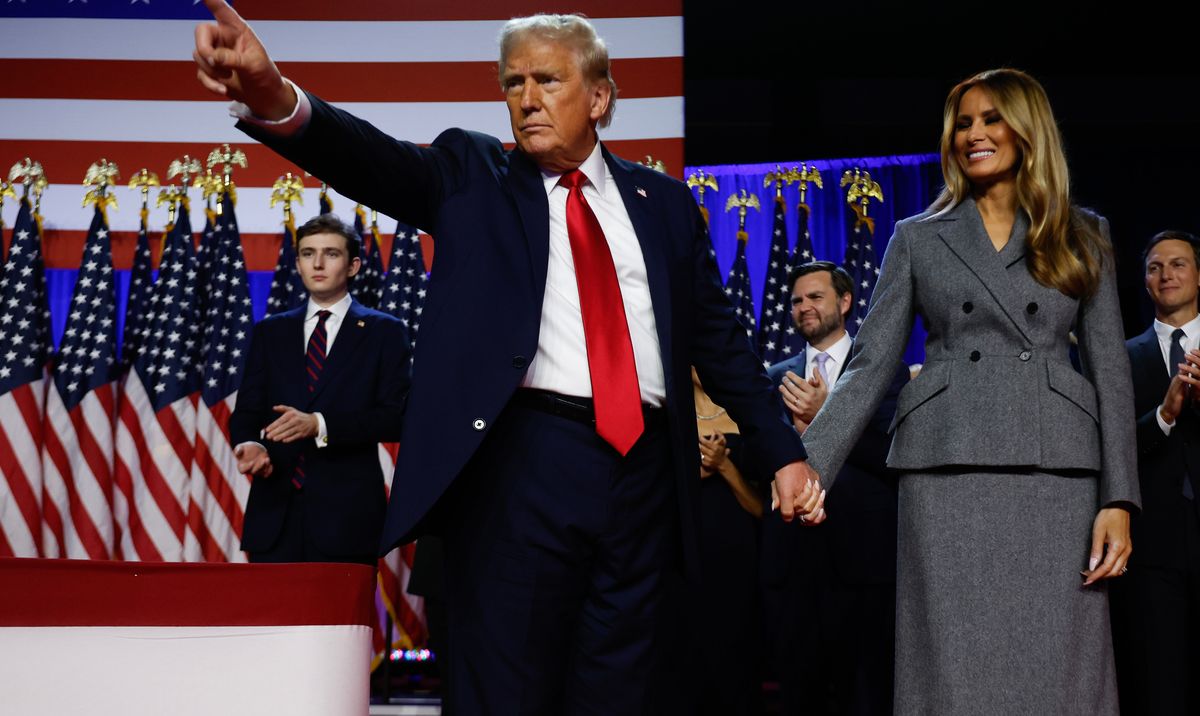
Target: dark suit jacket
[(361, 395), (1164, 462), (861, 531), (488, 211)]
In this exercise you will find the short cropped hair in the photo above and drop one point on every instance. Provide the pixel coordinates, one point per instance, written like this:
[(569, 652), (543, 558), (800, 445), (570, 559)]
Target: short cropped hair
[(842, 283), (1172, 235), (573, 31), (331, 224)]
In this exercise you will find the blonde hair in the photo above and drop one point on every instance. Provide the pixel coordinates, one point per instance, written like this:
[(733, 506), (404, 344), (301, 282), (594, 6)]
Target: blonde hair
[(573, 31), (1064, 250)]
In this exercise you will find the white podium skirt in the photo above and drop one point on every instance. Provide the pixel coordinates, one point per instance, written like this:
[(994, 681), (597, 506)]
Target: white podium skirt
[(185, 670)]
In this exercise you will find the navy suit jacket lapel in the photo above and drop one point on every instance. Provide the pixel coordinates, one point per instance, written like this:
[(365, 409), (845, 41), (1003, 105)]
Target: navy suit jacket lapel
[(649, 227), (529, 193), (293, 349), (964, 233), (350, 334), (1148, 362)]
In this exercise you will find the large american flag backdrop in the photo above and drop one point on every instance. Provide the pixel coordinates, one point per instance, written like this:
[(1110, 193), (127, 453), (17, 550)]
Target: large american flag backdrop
[(113, 456)]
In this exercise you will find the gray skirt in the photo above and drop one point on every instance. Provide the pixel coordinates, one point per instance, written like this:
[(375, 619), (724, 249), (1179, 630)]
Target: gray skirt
[(991, 614)]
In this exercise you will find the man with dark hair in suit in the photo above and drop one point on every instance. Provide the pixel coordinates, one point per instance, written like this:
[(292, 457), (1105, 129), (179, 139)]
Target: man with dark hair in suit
[(844, 569), (1156, 608), (324, 384), (550, 436)]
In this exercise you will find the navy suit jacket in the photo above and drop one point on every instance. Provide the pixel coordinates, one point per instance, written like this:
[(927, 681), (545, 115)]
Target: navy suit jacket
[(488, 212), (1164, 462), (861, 531), (360, 394)]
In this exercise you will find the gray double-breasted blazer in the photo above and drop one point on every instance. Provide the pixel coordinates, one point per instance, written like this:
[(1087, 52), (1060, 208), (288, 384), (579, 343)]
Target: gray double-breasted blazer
[(997, 387)]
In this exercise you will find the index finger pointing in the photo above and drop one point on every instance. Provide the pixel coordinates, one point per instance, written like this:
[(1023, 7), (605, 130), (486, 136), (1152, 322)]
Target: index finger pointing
[(224, 14)]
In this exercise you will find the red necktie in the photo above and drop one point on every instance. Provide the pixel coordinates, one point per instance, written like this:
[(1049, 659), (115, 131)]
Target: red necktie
[(615, 390)]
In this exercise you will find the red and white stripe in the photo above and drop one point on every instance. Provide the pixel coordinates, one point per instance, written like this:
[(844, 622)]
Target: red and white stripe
[(77, 476), (21, 412), (154, 455), (413, 69), (218, 491), (407, 611)]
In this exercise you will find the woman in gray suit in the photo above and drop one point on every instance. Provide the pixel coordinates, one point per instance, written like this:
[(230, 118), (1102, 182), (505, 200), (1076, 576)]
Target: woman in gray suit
[(1018, 471)]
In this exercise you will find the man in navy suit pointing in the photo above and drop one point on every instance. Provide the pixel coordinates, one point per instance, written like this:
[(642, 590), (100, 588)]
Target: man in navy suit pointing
[(550, 436)]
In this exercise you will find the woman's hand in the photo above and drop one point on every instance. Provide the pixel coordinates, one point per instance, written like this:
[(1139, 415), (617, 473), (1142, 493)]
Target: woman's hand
[(1111, 545), (713, 453)]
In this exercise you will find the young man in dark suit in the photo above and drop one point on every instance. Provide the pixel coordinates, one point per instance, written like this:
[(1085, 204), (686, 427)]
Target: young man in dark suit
[(844, 569), (1156, 608), (324, 384)]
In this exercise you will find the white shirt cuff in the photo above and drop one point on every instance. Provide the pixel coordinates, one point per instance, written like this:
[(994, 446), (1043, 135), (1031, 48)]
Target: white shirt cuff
[(322, 433), (289, 126), (248, 442), (1162, 424)]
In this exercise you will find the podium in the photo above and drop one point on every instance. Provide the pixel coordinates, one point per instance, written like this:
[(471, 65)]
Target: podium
[(127, 639)]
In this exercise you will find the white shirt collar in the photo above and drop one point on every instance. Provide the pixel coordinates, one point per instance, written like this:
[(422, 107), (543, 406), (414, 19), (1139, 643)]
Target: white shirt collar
[(839, 351), (338, 309), (593, 168), (1191, 330)]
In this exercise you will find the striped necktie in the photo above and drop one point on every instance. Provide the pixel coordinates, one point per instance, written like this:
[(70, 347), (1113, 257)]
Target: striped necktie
[(314, 362)]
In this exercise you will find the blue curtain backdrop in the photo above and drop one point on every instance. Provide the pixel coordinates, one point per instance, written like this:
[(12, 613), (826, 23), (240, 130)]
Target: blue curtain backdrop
[(60, 285), (909, 184)]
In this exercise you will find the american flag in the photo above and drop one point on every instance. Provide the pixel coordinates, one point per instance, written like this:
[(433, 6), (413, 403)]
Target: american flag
[(864, 269), (24, 346), (157, 411), (218, 490), (737, 288), (392, 600), (412, 69), (141, 283), (77, 481), (405, 282), (367, 285), (775, 332), (287, 289)]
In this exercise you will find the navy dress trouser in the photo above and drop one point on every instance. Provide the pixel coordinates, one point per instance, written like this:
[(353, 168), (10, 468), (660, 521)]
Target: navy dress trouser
[(557, 550)]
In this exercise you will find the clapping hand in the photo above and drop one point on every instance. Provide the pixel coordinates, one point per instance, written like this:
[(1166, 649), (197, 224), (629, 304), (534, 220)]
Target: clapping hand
[(803, 398)]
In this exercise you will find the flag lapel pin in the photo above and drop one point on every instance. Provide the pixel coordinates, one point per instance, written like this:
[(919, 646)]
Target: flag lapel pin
[(641, 192)]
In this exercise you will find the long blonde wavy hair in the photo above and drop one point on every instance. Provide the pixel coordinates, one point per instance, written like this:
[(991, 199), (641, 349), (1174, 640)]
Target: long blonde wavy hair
[(1063, 250)]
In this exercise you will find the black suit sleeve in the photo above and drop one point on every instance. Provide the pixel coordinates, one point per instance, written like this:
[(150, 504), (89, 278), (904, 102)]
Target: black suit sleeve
[(253, 410), (398, 178)]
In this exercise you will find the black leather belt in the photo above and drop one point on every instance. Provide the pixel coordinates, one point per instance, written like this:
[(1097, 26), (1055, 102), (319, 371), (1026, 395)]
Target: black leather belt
[(567, 406), (564, 406)]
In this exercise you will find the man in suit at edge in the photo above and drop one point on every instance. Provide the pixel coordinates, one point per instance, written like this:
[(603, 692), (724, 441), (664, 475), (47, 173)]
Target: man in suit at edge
[(553, 442), (844, 569), (324, 384), (1156, 608)]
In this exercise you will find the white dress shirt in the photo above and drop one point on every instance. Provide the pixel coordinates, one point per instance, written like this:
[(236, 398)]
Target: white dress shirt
[(839, 353), (560, 364), (1191, 339)]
